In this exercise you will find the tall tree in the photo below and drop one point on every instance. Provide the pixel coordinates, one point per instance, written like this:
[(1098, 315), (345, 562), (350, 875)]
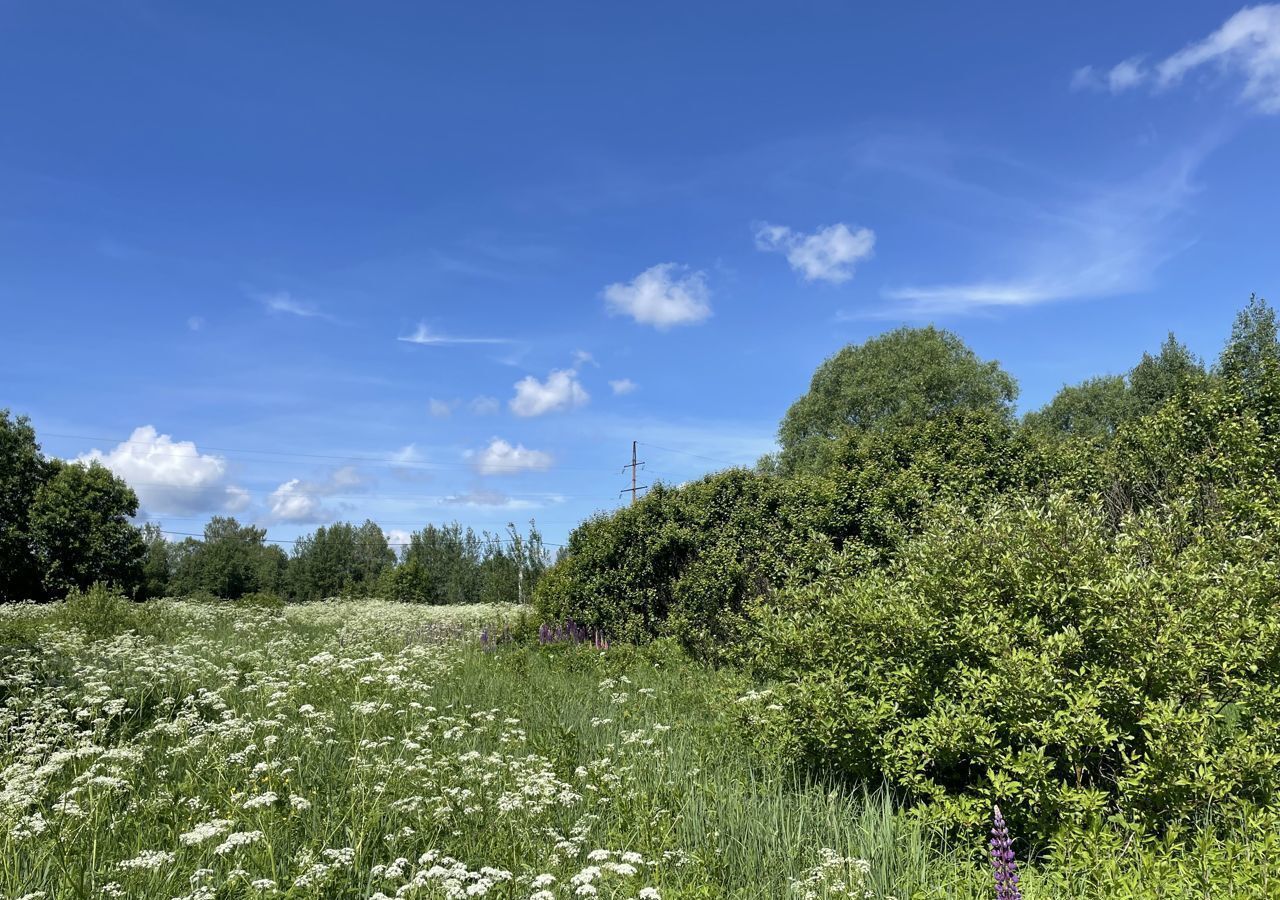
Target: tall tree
[(1093, 409), (1155, 380), (22, 471), (1252, 354), (232, 560), (157, 562), (80, 529), (904, 376)]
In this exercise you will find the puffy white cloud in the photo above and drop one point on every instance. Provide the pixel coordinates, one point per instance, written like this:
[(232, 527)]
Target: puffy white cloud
[(622, 386), (662, 297), (561, 391), (1246, 45), (292, 502), (301, 501), (171, 476), (398, 538), (829, 254), (485, 406), (501, 458)]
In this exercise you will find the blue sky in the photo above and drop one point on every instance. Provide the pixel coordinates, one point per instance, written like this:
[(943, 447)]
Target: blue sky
[(424, 262)]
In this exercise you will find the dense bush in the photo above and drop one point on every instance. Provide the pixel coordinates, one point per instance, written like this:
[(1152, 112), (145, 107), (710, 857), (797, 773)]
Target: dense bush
[(681, 562), (1037, 656)]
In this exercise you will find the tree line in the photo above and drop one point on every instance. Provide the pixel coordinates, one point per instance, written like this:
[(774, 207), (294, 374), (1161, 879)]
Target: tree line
[(67, 525)]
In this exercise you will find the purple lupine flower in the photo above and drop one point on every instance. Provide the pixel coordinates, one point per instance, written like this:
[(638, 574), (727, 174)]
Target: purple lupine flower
[(1003, 862)]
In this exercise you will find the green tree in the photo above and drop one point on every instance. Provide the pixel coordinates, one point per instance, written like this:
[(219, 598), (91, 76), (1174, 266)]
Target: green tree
[(22, 471), (906, 375), (1093, 409), (157, 562), (1251, 361), (232, 560), (80, 529), (340, 559), (1155, 380), (1254, 344)]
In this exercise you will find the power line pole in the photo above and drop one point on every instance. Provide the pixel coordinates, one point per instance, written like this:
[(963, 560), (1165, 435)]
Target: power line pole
[(633, 467)]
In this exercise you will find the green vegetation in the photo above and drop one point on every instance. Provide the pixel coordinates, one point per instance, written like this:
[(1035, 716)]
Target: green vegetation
[(1075, 616)]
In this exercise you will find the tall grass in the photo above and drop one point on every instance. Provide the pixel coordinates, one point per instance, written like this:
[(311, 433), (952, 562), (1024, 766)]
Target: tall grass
[(357, 750)]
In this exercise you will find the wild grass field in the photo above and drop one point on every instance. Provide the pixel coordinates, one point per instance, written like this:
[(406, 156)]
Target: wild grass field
[(375, 750)]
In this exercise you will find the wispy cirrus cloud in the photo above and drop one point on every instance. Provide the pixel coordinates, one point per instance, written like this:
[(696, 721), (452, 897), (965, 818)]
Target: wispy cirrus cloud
[(425, 336), (1246, 46), (284, 303), (1106, 240)]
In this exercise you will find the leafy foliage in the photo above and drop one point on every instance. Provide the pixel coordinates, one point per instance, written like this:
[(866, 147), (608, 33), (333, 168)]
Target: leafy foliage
[(80, 529), (232, 560), (340, 560), (22, 470), (904, 376)]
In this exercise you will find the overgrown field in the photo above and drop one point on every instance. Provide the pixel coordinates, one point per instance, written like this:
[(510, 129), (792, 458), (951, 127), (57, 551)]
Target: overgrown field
[(375, 750), (371, 750)]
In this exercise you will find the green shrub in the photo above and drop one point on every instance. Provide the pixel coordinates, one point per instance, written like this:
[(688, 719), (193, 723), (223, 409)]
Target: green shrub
[(1035, 656), (99, 611), (681, 562), (262, 600)]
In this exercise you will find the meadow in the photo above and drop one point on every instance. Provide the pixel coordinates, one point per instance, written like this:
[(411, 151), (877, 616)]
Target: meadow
[(368, 749)]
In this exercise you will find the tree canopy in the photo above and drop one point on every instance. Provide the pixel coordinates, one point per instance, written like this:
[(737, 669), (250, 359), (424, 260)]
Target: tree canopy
[(903, 376)]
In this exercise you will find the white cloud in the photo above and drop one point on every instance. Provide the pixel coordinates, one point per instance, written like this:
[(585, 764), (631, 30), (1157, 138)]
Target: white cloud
[(284, 302), (485, 406), (424, 335), (398, 538), (489, 500), (292, 502), (301, 501), (406, 454), (501, 458), (441, 409), (622, 386), (1126, 75), (171, 476), (829, 254), (195, 323), (1247, 45), (582, 358), (1107, 244), (561, 391), (661, 296)]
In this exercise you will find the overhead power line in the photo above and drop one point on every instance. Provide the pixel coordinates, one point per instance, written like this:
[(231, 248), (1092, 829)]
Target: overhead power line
[(723, 462)]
